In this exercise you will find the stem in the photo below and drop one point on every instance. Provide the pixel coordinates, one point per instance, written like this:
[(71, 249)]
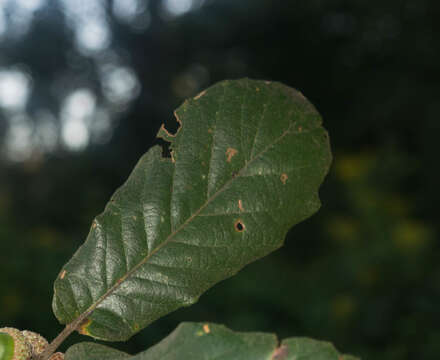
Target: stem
[(70, 328)]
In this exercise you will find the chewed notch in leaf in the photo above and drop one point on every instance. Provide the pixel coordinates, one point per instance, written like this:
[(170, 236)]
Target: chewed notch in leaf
[(241, 175)]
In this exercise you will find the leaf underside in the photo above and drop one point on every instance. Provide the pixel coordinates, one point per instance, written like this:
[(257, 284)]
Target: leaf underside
[(197, 341), (246, 165)]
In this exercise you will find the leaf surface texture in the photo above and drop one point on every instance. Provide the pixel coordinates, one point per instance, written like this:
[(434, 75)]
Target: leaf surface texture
[(246, 165)]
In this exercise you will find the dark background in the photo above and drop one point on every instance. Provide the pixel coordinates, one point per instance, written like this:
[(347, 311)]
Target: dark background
[(85, 85)]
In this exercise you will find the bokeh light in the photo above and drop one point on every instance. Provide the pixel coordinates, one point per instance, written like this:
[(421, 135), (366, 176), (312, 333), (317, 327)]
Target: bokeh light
[(174, 8), (87, 114), (14, 89), (76, 115), (88, 20), (120, 84), (30, 5), (133, 13), (16, 16)]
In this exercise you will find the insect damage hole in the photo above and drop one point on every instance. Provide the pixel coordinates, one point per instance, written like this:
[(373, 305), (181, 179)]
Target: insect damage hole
[(239, 225)]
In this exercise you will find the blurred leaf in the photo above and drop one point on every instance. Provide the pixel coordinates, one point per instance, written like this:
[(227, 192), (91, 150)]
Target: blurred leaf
[(92, 351), (6, 346), (197, 341), (245, 166), (410, 235)]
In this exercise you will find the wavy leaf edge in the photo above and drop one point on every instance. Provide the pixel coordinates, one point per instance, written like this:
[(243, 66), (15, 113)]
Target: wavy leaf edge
[(89, 305)]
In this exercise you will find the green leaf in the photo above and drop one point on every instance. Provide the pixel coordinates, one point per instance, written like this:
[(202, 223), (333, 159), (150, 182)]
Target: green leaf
[(198, 341), (246, 165), (6, 346), (93, 351)]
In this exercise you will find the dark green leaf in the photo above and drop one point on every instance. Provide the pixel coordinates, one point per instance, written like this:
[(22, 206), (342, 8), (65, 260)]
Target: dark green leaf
[(209, 341), (92, 351), (246, 165)]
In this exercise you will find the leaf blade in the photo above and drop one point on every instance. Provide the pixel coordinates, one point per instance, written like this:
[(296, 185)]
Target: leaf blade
[(235, 173), (200, 341), (93, 351)]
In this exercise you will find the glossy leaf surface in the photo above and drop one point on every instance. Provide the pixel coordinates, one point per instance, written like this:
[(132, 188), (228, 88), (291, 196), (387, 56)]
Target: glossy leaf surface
[(210, 341), (246, 165)]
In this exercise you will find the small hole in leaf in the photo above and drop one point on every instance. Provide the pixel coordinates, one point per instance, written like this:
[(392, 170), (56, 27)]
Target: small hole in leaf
[(239, 226)]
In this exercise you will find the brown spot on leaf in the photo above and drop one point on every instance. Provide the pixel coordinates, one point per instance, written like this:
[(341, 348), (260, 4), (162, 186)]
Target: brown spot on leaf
[(240, 205), (230, 153), (280, 353), (300, 129), (239, 226), (284, 178), (63, 274), (200, 95), (206, 329), (82, 329)]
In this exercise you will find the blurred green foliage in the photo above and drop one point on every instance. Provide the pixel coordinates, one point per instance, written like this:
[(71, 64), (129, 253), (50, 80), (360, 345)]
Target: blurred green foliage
[(362, 273)]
